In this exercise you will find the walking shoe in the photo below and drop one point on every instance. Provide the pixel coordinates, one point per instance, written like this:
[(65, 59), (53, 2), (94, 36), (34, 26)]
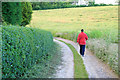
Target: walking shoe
[(82, 55)]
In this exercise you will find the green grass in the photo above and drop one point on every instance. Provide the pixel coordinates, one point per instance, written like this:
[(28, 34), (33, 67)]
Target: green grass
[(46, 68), (98, 22), (73, 19), (79, 67)]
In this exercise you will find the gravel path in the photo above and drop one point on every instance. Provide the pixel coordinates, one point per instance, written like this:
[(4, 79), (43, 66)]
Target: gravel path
[(66, 70), (95, 67)]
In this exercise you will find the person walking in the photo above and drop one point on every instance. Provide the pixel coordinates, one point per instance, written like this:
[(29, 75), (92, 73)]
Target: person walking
[(81, 40)]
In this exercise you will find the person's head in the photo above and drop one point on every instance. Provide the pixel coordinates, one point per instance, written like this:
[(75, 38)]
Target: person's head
[(82, 30)]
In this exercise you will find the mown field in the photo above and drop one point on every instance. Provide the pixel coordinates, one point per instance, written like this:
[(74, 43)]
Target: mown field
[(73, 19), (100, 24), (101, 20)]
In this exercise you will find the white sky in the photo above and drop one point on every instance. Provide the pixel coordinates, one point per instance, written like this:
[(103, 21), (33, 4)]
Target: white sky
[(105, 1)]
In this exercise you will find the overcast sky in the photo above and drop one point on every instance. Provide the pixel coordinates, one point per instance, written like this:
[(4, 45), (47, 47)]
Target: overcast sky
[(105, 1)]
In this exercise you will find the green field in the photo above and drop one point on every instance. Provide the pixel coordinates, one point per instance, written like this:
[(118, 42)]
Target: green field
[(73, 19), (98, 22)]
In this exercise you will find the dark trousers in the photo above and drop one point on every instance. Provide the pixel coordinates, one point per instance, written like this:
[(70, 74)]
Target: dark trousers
[(82, 49)]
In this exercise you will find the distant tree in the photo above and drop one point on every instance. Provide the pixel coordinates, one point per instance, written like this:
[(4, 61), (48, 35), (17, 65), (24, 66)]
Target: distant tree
[(35, 5), (26, 13), (12, 12), (117, 1)]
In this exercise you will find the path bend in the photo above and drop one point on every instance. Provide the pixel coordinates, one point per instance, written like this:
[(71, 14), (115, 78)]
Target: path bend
[(95, 67), (66, 69)]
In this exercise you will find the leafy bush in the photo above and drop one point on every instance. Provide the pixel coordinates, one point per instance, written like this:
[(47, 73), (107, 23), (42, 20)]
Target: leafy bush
[(17, 13), (12, 13), (23, 47), (96, 5), (26, 13), (48, 67), (91, 3)]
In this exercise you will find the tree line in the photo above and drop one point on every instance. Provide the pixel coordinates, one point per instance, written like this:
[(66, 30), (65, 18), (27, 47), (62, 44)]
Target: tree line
[(50, 5), (56, 5)]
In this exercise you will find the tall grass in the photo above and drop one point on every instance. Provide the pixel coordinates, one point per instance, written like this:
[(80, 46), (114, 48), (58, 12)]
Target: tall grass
[(110, 36), (104, 51)]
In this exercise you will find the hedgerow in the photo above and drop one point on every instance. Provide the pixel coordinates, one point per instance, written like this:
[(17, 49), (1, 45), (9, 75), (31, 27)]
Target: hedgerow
[(23, 47)]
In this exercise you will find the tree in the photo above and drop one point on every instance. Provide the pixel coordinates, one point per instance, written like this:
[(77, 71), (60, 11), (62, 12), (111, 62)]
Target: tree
[(26, 13), (12, 12)]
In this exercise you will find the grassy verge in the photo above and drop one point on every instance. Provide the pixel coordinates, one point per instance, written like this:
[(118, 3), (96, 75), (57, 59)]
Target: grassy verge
[(46, 68), (107, 52), (79, 68)]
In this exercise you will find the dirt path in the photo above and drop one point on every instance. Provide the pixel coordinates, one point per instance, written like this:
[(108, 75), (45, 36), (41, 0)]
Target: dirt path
[(94, 67), (66, 70)]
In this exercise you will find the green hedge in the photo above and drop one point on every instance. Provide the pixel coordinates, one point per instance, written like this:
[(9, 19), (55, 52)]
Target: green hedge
[(23, 47)]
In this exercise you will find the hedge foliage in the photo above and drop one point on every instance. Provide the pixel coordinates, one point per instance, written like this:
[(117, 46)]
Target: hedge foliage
[(26, 13), (23, 47), (17, 13), (12, 12)]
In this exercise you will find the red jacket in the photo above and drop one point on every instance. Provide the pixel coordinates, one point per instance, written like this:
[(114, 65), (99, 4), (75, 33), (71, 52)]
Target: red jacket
[(82, 37)]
